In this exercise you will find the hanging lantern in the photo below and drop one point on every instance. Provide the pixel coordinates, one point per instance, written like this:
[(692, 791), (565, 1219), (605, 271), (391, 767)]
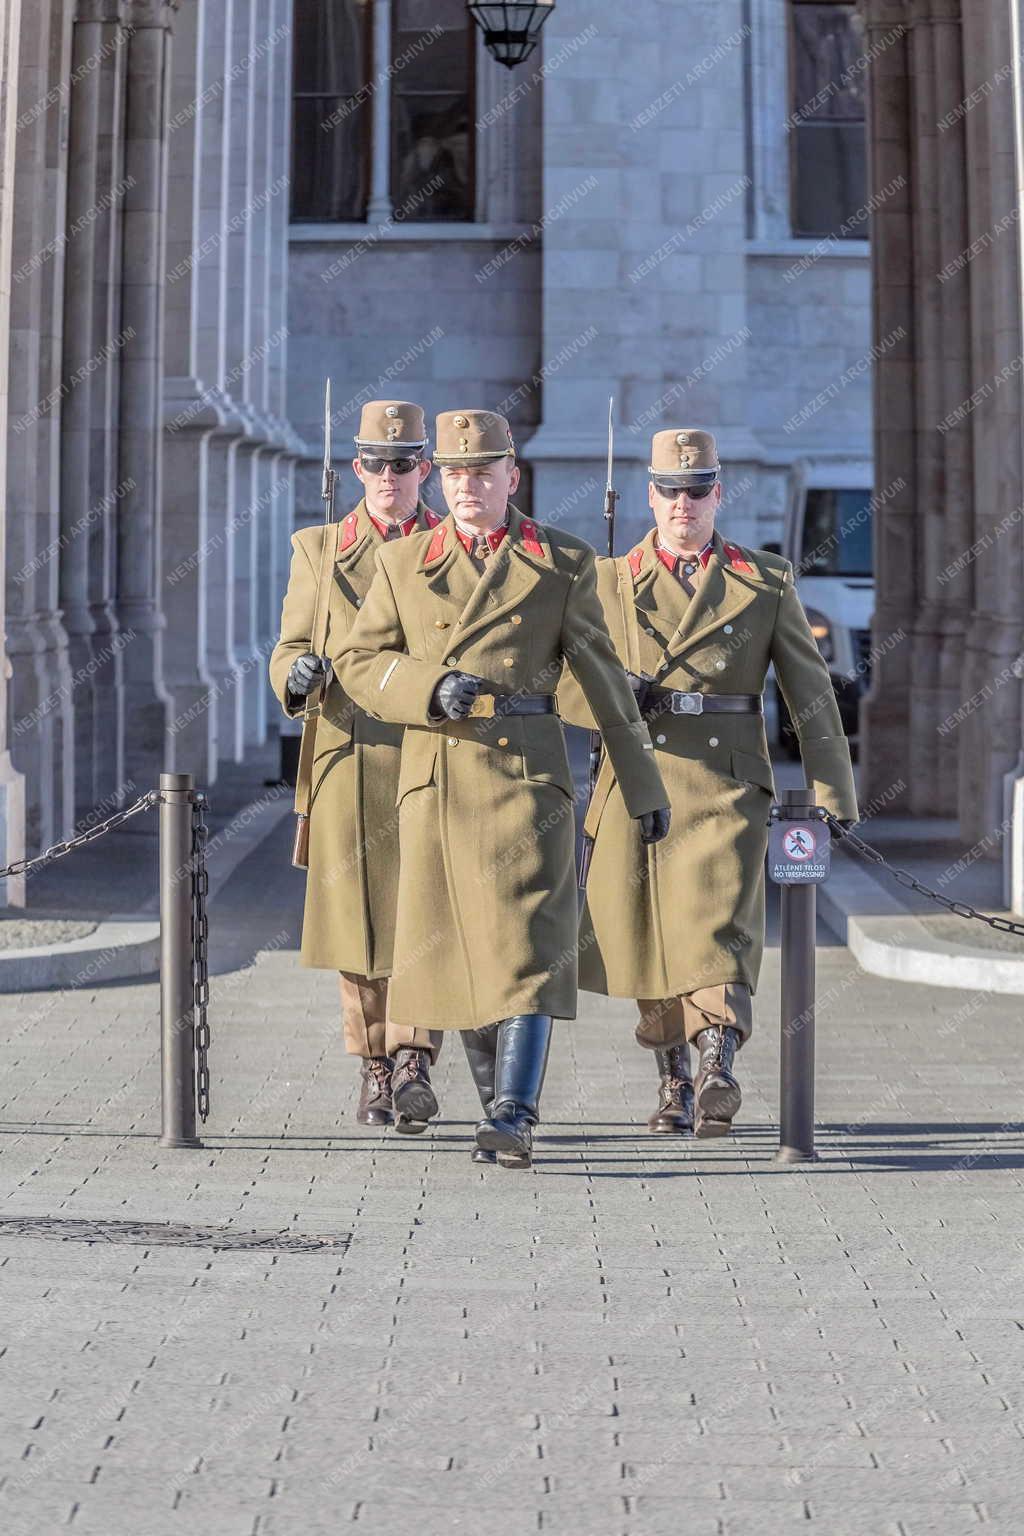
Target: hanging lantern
[(511, 28)]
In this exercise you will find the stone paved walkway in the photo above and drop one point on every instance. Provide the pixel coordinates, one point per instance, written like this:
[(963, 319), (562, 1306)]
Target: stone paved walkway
[(639, 1336)]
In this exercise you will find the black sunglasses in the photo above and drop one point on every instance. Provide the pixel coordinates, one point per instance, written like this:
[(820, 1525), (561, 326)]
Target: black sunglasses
[(695, 492), (375, 466)]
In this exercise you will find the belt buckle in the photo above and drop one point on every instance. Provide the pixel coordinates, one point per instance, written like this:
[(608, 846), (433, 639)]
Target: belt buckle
[(482, 707), (687, 703)]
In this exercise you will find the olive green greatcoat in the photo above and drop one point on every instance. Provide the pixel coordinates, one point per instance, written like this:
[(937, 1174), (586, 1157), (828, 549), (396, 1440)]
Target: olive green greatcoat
[(689, 912), (352, 881), (487, 903)]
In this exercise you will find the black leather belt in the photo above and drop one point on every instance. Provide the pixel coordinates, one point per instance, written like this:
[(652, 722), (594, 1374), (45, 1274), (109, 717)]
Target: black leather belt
[(670, 701), (489, 706)]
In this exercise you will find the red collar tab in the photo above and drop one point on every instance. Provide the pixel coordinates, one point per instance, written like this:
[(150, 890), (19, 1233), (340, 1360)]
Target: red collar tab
[(436, 548), (494, 538), (672, 562), (531, 537), (636, 560), (407, 525), (349, 531), (431, 518), (734, 555)]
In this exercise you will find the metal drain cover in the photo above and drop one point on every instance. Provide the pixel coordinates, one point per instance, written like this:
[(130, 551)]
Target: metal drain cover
[(146, 1234)]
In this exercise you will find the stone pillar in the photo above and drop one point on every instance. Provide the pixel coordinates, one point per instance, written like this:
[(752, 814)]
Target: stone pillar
[(885, 759), (379, 207), (190, 414), (620, 128), (142, 344), (91, 366), (942, 381), (991, 732), (41, 701), (12, 797)]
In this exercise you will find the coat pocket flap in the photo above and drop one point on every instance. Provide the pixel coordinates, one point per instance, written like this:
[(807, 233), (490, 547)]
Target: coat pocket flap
[(753, 770), (419, 762)]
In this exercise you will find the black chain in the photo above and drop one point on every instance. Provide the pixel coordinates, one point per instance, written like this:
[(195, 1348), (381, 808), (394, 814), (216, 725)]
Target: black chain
[(200, 934), (23, 866), (905, 878)]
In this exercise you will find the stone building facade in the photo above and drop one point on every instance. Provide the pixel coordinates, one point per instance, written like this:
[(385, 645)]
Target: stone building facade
[(150, 462), (630, 233)]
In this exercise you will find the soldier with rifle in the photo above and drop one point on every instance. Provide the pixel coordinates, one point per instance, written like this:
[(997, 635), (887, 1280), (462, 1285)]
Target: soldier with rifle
[(347, 779), (462, 640), (697, 621)]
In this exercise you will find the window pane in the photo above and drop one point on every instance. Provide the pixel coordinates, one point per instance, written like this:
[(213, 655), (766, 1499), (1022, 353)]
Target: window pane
[(431, 110), (837, 534), (330, 40), (828, 75), (829, 179), (329, 159)]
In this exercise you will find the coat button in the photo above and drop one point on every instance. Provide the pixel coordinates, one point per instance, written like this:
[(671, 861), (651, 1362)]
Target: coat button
[(453, 741), (440, 623), (502, 741), (648, 630), (661, 740), (720, 666), (509, 661), (516, 618), (452, 661), (712, 741), (726, 629)]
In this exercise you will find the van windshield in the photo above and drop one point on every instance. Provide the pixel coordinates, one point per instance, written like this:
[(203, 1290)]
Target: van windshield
[(837, 534)]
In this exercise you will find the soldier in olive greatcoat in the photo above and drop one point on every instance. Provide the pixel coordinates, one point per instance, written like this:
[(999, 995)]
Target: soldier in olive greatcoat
[(697, 621), (352, 881), (462, 638)]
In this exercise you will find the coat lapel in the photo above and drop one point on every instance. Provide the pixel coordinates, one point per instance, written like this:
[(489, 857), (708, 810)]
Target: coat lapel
[(510, 574), (448, 569), (722, 593)]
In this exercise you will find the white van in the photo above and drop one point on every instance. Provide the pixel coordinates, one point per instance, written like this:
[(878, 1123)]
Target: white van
[(828, 537)]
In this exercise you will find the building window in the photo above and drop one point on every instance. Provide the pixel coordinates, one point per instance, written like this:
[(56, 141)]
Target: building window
[(383, 111), (828, 162)]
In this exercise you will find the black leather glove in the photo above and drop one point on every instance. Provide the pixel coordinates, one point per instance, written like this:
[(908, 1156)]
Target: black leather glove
[(654, 825), (306, 675), (454, 695), (640, 686)]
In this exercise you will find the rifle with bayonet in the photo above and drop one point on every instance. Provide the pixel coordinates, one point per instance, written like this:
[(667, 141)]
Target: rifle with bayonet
[(318, 641), (611, 496)]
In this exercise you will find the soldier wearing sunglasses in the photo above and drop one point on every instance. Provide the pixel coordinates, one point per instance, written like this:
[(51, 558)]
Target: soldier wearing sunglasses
[(352, 880), (679, 925)]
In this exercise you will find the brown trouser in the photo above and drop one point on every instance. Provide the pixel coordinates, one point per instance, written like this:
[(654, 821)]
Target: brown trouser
[(671, 1020), (368, 1029)]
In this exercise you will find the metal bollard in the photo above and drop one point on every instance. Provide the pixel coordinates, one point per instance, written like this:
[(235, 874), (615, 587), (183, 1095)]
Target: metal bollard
[(791, 867), (177, 988)]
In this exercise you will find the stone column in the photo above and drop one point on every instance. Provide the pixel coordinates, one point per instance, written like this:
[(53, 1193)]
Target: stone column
[(190, 414), (91, 366), (379, 207), (41, 701), (142, 329), (942, 381), (991, 732), (885, 760), (12, 796)]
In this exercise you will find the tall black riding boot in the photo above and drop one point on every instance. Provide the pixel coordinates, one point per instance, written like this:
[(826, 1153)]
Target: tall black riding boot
[(521, 1061), (481, 1046), (674, 1114), (718, 1093)]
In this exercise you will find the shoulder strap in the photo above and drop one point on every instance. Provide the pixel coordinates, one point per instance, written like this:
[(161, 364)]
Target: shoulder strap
[(628, 610)]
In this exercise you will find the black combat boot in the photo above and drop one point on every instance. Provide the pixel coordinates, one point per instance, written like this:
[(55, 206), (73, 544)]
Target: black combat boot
[(480, 1046), (718, 1093), (674, 1114), (375, 1106), (520, 1063), (411, 1093)]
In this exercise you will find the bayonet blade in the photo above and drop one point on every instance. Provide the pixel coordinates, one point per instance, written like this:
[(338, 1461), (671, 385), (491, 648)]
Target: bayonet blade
[(611, 439)]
